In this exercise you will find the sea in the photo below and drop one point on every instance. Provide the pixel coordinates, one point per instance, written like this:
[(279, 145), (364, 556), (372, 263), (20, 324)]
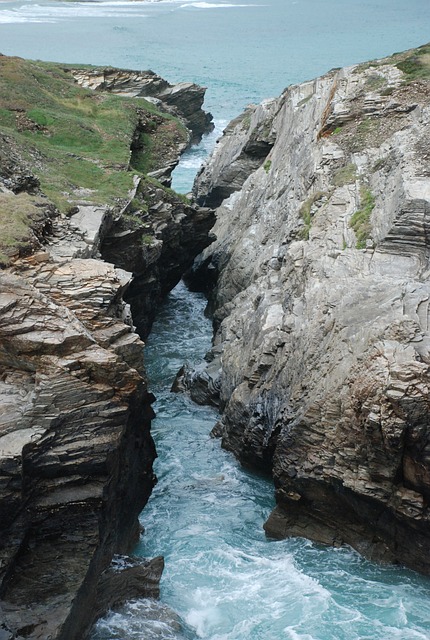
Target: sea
[(224, 580)]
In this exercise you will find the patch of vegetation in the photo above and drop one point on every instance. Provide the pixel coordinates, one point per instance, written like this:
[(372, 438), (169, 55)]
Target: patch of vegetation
[(366, 134), (336, 131), (19, 215), (360, 220), (246, 121), (153, 147), (307, 214), (345, 175), (417, 64), (40, 117), (304, 101), (149, 192), (81, 138), (366, 126), (267, 165), (178, 196), (364, 66)]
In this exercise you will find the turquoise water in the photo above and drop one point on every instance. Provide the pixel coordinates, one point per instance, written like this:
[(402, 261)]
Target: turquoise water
[(242, 50), (223, 579)]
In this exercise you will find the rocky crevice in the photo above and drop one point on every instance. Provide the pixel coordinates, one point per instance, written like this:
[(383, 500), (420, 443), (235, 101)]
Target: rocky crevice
[(156, 237), (245, 144)]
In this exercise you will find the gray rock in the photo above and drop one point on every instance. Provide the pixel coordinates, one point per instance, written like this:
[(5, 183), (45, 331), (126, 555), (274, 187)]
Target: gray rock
[(321, 309)]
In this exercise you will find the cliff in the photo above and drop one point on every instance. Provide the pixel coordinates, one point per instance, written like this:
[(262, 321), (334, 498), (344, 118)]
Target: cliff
[(185, 99), (321, 304), (76, 451)]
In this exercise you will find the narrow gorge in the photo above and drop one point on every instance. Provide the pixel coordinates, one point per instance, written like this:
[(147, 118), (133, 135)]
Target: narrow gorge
[(315, 264)]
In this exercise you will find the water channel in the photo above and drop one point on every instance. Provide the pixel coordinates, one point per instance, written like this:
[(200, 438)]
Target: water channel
[(223, 579)]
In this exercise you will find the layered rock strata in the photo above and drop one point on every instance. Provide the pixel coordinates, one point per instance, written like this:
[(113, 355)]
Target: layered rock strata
[(184, 99), (321, 307), (75, 447)]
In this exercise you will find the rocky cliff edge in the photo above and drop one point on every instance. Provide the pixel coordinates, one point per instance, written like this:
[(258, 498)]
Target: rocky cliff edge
[(321, 304)]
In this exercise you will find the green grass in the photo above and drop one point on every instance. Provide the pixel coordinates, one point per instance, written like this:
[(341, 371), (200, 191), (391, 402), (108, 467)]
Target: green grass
[(303, 101), (306, 213), (73, 139), (345, 175), (267, 166), (84, 137), (360, 220), (417, 64), (414, 63), (374, 82), (19, 214)]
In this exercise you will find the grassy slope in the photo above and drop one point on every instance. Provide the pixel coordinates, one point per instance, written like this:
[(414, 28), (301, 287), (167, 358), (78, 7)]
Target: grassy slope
[(74, 139)]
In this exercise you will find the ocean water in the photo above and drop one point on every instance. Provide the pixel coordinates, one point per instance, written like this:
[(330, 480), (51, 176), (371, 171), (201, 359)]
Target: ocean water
[(223, 579), (242, 50)]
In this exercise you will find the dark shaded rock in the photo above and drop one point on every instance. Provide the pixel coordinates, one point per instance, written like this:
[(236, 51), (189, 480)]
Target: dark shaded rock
[(15, 173), (157, 244), (202, 382), (138, 579), (75, 447)]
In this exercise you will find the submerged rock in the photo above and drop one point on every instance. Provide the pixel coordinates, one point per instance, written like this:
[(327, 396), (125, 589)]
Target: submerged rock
[(321, 307)]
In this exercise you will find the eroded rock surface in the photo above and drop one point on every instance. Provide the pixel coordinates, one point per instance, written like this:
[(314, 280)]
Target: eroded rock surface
[(76, 452), (245, 144), (321, 307), (75, 447)]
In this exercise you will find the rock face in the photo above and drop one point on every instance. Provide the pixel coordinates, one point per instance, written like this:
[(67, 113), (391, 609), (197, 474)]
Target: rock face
[(184, 99), (321, 307), (245, 144), (156, 237), (75, 446)]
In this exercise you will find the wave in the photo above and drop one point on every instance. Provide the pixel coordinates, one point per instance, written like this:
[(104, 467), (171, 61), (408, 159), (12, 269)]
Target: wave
[(55, 13), (210, 5), (51, 13)]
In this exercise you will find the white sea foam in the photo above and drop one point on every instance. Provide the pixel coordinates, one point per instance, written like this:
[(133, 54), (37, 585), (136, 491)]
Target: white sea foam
[(210, 5), (51, 13)]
